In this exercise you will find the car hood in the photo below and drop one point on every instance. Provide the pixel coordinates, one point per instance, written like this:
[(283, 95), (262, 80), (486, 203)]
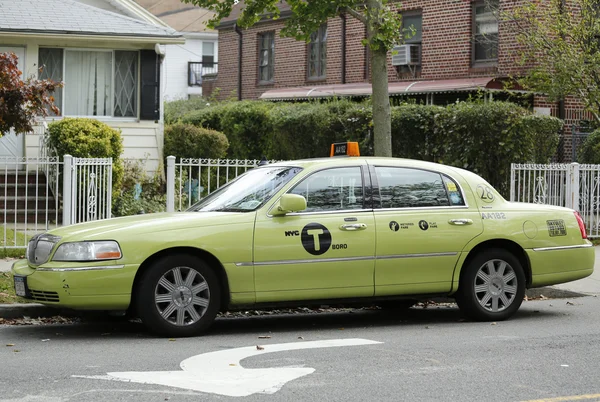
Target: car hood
[(148, 223)]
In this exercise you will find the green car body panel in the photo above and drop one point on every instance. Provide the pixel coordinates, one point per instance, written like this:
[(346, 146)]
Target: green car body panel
[(370, 252)]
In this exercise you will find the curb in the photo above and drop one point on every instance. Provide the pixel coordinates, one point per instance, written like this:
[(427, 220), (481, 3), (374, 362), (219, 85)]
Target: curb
[(20, 310)]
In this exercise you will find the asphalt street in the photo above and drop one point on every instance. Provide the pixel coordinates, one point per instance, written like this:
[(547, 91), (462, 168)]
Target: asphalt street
[(548, 351)]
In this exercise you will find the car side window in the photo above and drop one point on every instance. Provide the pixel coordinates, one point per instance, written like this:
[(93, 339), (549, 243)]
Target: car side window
[(456, 197), (411, 188), (334, 189)]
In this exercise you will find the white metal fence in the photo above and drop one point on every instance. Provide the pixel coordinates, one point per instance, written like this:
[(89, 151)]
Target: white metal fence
[(33, 199), (569, 185), (189, 180)]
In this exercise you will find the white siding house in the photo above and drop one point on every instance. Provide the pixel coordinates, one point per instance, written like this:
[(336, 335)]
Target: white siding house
[(106, 59)]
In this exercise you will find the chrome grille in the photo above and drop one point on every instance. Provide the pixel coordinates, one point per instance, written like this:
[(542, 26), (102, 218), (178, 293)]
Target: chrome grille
[(40, 247)]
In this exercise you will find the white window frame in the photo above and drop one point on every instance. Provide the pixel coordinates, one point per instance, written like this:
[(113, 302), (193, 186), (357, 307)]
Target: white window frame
[(112, 96)]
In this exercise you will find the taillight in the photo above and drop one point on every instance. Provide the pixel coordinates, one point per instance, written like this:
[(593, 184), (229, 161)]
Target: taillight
[(581, 225)]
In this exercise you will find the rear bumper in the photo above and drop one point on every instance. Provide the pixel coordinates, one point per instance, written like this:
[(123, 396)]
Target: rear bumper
[(554, 265), (95, 288)]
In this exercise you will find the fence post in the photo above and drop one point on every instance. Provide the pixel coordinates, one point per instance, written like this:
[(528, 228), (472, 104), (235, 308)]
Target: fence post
[(512, 182), (574, 187), (170, 184), (67, 188)]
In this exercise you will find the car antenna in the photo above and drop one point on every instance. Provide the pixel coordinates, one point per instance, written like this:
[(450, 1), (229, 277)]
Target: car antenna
[(263, 161)]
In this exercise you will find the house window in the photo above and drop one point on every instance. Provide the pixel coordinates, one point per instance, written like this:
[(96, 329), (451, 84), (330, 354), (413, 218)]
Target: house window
[(96, 82), (266, 57), (413, 27), (317, 53), (208, 54), (485, 27)]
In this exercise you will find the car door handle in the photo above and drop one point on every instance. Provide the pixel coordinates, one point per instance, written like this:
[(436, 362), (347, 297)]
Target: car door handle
[(460, 222), (353, 226)]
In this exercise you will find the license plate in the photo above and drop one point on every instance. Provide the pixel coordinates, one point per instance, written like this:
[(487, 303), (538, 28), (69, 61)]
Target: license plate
[(20, 285)]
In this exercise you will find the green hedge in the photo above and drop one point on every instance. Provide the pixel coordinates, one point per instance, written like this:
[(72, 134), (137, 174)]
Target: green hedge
[(590, 149), (485, 137), (88, 138), (188, 141)]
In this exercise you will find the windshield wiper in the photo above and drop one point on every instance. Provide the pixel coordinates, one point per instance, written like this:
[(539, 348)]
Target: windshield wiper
[(230, 209)]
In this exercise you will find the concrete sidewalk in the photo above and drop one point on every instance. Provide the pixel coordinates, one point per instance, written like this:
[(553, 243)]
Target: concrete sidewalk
[(586, 286)]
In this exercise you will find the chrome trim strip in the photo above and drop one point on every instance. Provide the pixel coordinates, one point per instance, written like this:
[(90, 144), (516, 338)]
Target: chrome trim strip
[(81, 268), (385, 257), (563, 247), (389, 257)]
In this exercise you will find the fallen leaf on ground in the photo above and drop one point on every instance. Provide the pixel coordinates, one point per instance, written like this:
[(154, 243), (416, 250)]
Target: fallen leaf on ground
[(45, 340), (258, 347), (16, 351), (10, 344), (264, 337), (300, 338), (172, 339), (493, 323), (570, 303), (232, 364)]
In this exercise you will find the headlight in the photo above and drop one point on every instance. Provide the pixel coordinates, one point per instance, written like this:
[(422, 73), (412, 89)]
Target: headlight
[(88, 251)]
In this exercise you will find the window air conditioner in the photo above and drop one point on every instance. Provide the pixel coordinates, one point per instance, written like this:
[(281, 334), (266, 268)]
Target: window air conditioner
[(406, 55)]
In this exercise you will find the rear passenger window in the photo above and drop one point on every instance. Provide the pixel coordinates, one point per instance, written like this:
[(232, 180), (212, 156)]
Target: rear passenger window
[(414, 188)]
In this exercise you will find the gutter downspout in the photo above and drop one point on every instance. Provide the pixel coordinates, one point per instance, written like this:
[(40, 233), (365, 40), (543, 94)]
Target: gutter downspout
[(240, 47), (343, 17)]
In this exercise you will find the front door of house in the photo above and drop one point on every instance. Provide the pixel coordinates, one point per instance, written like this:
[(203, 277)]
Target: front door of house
[(12, 145)]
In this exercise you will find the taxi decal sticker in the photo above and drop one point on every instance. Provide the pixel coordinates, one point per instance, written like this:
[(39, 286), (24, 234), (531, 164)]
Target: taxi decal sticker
[(423, 225), (292, 233), (485, 193), (451, 186), (556, 228), (493, 215), (394, 226), (316, 238)]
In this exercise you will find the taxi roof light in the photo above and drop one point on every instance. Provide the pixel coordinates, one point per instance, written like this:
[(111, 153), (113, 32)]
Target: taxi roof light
[(345, 149)]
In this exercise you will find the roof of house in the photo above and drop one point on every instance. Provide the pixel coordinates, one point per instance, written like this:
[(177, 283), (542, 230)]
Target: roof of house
[(180, 16), (283, 7), (72, 17)]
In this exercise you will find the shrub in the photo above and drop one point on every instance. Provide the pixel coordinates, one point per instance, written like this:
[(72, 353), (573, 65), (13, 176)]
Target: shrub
[(209, 117), (484, 138), (175, 110), (139, 193), (188, 141), (544, 133), (247, 127), (413, 132), (348, 121), (590, 149), (88, 138)]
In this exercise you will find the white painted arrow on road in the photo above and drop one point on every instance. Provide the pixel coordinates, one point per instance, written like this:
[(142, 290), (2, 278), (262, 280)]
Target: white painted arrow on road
[(221, 373)]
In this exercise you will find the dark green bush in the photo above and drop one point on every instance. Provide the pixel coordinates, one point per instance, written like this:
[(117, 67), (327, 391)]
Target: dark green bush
[(175, 110), (247, 127), (139, 193), (188, 141), (484, 138), (544, 133), (209, 117), (88, 138), (413, 132), (349, 121), (589, 152)]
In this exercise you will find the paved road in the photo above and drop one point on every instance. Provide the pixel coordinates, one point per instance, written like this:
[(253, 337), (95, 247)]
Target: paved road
[(549, 350)]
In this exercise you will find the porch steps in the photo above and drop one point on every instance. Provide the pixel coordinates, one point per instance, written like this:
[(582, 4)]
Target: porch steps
[(25, 197)]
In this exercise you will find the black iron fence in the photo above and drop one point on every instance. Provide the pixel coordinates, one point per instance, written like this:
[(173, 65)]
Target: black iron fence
[(197, 70)]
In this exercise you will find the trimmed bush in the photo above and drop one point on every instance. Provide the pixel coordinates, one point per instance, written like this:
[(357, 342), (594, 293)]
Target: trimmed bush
[(175, 110), (247, 127), (413, 132), (209, 117), (188, 141), (88, 138), (590, 149), (544, 133)]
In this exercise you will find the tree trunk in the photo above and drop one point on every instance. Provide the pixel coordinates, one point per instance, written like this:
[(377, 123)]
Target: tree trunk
[(382, 119)]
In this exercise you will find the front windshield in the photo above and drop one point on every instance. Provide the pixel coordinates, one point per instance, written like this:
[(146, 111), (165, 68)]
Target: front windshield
[(248, 191)]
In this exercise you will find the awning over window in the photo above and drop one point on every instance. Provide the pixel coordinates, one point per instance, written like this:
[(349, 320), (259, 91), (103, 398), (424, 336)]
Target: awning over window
[(395, 88)]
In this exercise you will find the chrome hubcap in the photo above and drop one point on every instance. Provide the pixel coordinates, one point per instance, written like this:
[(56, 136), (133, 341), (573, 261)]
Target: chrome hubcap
[(182, 301), (495, 285)]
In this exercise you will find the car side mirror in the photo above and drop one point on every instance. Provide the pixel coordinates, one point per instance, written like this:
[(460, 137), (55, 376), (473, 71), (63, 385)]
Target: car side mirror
[(289, 203)]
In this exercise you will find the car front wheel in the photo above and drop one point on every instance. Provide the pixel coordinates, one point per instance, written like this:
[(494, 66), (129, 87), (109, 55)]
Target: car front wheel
[(178, 296), (492, 286)]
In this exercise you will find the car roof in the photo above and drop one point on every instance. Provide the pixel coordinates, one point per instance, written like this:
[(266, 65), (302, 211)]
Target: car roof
[(372, 160)]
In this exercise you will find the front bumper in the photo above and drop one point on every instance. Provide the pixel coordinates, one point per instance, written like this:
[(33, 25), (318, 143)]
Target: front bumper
[(79, 286)]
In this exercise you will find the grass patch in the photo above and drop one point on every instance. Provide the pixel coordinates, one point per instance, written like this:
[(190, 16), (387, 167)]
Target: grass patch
[(12, 238), (7, 290)]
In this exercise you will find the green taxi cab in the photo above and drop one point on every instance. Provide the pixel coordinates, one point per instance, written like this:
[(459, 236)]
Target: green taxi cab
[(330, 230)]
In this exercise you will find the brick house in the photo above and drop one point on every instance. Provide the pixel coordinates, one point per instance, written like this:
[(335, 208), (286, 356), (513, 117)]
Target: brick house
[(459, 48)]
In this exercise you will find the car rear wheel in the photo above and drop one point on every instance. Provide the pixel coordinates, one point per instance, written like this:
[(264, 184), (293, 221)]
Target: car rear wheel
[(492, 286), (178, 296)]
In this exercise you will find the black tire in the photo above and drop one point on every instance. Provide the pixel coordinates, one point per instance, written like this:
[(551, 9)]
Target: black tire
[(177, 312), (492, 286)]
